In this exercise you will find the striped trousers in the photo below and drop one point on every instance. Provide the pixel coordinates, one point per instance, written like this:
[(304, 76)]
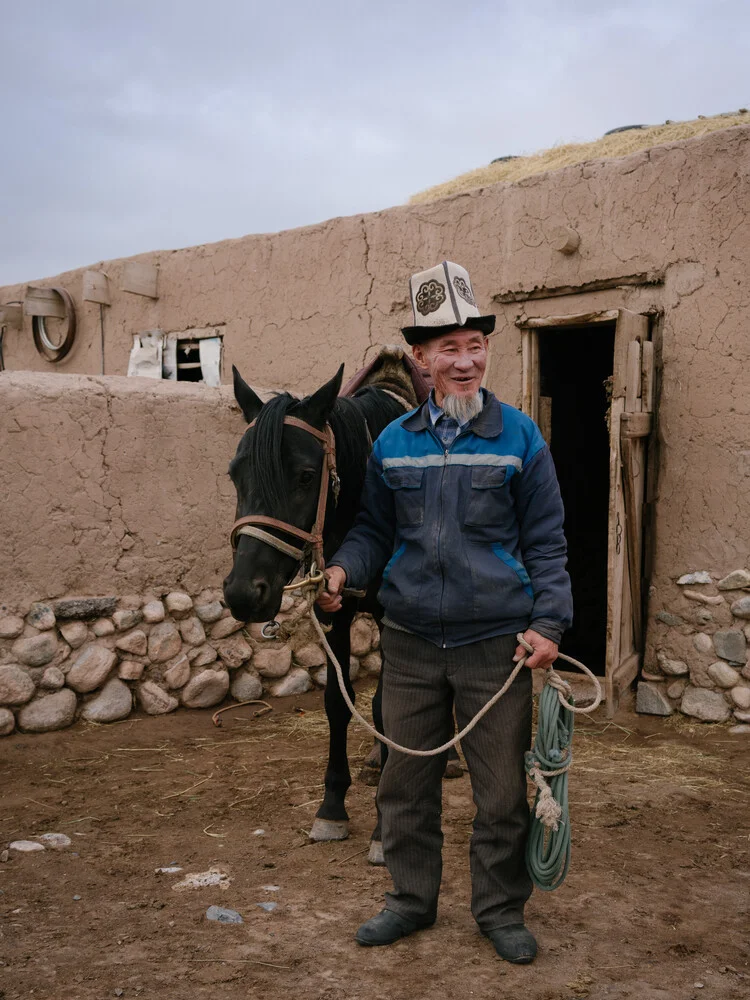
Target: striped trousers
[(422, 685)]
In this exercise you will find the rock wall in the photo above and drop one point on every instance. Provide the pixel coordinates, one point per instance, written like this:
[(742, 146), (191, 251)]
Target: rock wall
[(98, 658), (697, 660)]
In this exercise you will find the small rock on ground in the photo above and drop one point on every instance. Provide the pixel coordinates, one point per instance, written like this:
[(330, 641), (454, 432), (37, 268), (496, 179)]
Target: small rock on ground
[(223, 915), (56, 840), (25, 846)]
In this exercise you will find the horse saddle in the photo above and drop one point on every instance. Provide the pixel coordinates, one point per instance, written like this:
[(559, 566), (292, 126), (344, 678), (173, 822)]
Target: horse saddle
[(395, 372)]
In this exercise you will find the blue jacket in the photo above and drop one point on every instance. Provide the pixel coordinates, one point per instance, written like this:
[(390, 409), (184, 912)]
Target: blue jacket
[(471, 538)]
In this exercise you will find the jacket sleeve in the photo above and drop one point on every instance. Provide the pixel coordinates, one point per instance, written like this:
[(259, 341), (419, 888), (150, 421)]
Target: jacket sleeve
[(539, 509), (369, 543)]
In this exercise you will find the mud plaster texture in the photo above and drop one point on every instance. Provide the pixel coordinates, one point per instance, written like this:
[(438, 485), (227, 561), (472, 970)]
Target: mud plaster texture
[(665, 228)]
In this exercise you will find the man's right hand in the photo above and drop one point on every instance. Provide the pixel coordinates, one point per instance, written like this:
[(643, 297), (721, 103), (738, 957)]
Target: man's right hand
[(330, 599)]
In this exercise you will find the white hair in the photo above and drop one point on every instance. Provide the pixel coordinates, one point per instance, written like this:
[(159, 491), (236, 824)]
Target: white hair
[(463, 408)]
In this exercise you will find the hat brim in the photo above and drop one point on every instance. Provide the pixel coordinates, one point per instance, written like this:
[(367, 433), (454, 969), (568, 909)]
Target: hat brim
[(420, 334)]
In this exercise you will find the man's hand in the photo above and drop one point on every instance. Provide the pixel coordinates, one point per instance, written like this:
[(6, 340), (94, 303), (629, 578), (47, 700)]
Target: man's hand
[(545, 650), (330, 599)]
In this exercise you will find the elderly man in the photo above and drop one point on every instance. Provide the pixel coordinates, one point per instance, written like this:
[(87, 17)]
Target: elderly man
[(461, 512)]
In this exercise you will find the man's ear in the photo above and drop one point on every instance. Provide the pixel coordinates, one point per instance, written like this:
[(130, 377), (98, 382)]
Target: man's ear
[(420, 356), (250, 403), (317, 408)]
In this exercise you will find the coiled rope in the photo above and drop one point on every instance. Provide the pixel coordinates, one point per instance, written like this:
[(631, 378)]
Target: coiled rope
[(548, 844)]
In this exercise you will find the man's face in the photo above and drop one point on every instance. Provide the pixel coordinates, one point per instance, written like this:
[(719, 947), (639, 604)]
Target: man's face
[(456, 361)]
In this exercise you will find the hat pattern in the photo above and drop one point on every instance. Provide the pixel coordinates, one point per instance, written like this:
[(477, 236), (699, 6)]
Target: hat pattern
[(430, 297), (464, 290)]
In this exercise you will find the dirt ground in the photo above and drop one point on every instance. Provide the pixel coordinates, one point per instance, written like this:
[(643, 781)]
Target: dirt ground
[(657, 902)]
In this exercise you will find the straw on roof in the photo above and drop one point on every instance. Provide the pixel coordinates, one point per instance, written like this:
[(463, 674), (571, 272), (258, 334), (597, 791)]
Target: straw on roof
[(608, 147)]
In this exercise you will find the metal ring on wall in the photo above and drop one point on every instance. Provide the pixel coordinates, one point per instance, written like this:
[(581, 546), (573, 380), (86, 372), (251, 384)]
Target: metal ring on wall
[(48, 349)]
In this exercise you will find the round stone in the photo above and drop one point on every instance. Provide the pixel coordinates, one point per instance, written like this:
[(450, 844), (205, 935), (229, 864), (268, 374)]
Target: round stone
[(10, 626), (35, 650), (201, 656), (234, 651), (74, 633), (90, 668), (310, 655), (102, 627), (272, 661), (154, 700), (164, 642), (210, 612), (735, 580), (178, 673), (52, 679), (130, 670), (730, 644), (723, 675), (708, 706), (702, 643), (246, 686), (43, 715), (361, 637), (41, 617), (135, 643), (178, 604), (741, 697), (674, 668), (153, 612), (7, 722), (192, 631), (205, 689), (226, 626), (126, 619), (372, 664), (16, 687), (113, 702), (741, 608), (297, 681)]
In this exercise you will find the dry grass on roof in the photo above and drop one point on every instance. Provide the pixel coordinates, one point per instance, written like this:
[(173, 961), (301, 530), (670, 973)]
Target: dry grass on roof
[(607, 148)]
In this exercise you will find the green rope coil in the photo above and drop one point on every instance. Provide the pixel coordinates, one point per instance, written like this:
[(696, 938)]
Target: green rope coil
[(548, 846)]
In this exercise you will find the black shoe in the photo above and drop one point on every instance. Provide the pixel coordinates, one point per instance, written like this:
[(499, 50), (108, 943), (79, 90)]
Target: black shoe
[(515, 943), (387, 927)]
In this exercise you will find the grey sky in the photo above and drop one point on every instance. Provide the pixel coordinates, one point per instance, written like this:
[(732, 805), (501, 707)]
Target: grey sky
[(146, 125)]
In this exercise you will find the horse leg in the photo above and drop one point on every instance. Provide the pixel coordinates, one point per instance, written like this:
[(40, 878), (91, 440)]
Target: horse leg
[(332, 819)]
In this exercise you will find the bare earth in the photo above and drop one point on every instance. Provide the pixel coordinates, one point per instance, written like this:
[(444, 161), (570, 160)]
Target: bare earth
[(658, 900)]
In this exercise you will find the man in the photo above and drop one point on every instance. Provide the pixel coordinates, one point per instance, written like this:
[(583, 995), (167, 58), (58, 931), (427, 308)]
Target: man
[(462, 508)]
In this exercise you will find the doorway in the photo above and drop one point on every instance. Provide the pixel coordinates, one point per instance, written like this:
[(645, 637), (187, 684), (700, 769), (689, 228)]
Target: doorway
[(588, 381), (575, 386)]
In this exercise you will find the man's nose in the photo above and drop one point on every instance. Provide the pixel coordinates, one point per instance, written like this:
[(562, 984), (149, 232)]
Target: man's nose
[(464, 362)]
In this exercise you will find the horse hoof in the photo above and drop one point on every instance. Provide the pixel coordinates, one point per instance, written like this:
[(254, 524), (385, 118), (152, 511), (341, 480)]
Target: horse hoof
[(453, 769), (375, 856), (369, 774), (329, 829)]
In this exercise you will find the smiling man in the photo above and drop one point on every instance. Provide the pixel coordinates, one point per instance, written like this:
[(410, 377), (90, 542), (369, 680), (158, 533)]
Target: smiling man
[(461, 513)]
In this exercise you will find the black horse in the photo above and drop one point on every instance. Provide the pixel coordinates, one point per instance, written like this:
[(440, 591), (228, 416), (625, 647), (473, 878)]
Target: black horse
[(277, 472)]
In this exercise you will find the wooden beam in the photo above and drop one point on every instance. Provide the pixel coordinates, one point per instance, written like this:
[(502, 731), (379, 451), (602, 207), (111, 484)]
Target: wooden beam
[(601, 284), (576, 319), (11, 315), (636, 425), (633, 378), (96, 287), (43, 302), (647, 376), (140, 279)]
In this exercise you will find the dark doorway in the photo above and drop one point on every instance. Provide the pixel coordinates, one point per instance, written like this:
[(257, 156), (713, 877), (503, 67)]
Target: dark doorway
[(576, 366)]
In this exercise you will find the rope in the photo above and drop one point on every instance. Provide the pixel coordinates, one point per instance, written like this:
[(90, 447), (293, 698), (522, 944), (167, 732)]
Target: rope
[(548, 844)]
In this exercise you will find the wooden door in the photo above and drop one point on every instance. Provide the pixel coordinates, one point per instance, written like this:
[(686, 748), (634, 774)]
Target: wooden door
[(631, 419)]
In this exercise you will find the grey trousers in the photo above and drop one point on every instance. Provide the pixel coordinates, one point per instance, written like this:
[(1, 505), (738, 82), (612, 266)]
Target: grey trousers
[(422, 684)]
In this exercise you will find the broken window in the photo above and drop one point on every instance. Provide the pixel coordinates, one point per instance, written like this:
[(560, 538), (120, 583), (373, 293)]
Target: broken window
[(191, 356)]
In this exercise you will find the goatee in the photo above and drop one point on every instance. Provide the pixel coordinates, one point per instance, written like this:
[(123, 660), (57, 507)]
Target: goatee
[(463, 408)]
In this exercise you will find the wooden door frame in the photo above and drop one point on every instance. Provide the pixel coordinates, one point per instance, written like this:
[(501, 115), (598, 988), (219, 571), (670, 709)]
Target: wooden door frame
[(621, 666)]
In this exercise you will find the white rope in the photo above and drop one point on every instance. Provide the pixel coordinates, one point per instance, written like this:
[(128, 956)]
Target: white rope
[(552, 678)]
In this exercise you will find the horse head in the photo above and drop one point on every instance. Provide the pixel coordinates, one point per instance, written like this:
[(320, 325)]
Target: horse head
[(276, 472)]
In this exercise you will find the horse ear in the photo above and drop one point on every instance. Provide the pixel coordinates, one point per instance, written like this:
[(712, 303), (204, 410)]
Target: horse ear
[(318, 407), (250, 403)]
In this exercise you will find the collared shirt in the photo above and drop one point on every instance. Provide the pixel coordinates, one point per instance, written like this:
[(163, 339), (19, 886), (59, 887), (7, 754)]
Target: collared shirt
[(446, 428)]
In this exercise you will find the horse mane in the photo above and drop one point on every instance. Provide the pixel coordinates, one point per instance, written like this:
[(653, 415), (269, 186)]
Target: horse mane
[(356, 421)]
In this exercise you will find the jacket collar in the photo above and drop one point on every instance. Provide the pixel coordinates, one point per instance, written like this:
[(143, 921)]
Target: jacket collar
[(488, 424)]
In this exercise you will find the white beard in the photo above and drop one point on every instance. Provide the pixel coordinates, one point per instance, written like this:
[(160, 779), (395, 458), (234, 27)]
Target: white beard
[(463, 408)]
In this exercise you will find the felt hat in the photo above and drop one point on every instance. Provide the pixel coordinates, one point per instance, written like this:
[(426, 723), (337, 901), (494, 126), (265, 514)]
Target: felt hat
[(443, 300)]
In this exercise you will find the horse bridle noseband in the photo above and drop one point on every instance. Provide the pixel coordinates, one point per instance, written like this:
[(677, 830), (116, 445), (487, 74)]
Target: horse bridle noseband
[(313, 539)]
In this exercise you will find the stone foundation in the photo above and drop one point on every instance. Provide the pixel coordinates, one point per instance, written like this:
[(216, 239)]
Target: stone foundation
[(100, 658), (697, 658)]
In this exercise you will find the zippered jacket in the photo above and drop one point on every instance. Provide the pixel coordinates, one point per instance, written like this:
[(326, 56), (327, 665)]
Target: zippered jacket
[(470, 539)]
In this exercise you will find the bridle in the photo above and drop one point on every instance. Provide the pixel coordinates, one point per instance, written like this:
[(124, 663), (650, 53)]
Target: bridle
[(313, 540)]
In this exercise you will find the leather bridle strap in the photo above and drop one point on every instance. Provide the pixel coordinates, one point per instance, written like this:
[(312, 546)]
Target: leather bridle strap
[(313, 539)]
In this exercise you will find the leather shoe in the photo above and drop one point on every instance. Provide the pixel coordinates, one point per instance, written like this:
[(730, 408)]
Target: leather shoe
[(387, 927), (514, 943)]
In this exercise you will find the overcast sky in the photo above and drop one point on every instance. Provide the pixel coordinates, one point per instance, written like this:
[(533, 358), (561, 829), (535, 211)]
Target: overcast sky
[(146, 125)]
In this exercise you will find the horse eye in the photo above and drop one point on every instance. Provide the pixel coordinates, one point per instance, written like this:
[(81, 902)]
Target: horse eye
[(305, 477)]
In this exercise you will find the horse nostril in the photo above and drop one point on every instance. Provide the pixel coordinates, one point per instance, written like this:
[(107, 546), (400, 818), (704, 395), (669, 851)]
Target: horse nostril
[(262, 589)]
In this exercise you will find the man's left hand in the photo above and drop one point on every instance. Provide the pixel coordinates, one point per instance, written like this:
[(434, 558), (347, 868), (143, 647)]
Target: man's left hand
[(545, 650)]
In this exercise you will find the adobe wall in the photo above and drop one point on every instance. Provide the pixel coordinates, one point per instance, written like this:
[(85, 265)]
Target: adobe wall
[(113, 545), (292, 305)]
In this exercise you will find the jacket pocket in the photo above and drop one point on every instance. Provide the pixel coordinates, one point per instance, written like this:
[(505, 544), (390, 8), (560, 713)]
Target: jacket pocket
[(407, 494), (518, 568), (486, 501)]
